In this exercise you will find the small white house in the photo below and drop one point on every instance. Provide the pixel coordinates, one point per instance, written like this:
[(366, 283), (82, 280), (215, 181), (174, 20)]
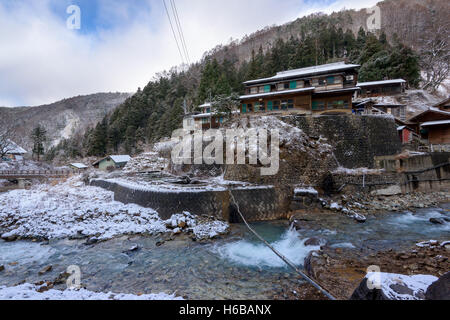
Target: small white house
[(16, 152), (112, 162), (78, 166)]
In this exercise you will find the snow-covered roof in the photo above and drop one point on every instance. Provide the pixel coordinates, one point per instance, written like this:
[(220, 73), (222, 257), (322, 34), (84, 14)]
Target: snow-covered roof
[(215, 114), (15, 148), (120, 159), (206, 105), (401, 128), (432, 109), (435, 123), (268, 94), (376, 83), (79, 165), (339, 66)]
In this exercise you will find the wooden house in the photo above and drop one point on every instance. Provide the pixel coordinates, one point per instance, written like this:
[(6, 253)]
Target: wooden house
[(15, 152), (325, 89), (209, 118), (78, 166), (381, 88), (112, 162), (433, 125)]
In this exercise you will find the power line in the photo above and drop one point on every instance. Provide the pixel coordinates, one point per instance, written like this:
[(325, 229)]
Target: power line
[(180, 30), (173, 31)]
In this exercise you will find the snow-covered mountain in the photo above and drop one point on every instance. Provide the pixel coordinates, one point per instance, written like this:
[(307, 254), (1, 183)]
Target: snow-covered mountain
[(61, 119)]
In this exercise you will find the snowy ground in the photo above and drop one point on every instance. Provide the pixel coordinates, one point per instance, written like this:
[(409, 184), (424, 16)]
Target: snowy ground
[(29, 292), (72, 209)]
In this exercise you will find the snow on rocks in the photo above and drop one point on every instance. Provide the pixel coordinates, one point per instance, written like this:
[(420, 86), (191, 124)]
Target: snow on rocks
[(150, 161), (72, 209), (389, 286), (31, 292), (209, 230)]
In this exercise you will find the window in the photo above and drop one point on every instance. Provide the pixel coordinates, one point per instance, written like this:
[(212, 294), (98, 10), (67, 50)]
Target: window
[(290, 104), (221, 120), (337, 80), (261, 89), (322, 82), (293, 85), (253, 90), (286, 86), (315, 82), (244, 108), (330, 80), (208, 110), (260, 106), (270, 105), (267, 89), (249, 107), (205, 120), (300, 84), (280, 86), (284, 105), (350, 78), (276, 105), (318, 105)]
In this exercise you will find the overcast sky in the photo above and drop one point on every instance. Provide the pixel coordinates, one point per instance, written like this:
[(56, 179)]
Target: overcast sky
[(121, 43)]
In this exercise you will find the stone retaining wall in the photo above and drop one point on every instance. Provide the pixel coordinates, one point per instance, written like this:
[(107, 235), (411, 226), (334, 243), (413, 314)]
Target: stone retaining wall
[(356, 139), (256, 204)]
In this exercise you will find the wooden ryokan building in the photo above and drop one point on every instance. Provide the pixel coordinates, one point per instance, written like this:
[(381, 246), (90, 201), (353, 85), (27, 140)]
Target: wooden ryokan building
[(325, 89)]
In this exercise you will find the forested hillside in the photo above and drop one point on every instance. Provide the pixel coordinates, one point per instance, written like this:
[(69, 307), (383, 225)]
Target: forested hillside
[(156, 110)]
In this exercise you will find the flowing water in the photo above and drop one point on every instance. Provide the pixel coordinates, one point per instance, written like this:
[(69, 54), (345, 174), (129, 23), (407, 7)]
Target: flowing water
[(237, 267)]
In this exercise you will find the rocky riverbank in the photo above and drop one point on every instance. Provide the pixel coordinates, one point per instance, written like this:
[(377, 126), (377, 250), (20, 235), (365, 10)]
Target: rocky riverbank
[(342, 270)]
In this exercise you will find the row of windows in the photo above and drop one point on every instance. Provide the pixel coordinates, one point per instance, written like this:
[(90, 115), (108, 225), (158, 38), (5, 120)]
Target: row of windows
[(270, 106), (297, 84), (337, 104), (289, 104), (208, 120)]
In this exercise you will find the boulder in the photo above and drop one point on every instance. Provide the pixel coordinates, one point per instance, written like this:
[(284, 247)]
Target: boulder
[(45, 270), (437, 221), (391, 191), (439, 290), (315, 242), (393, 287), (2, 268)]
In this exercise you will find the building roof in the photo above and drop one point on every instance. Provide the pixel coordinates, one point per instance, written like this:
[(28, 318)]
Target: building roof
[(276, 93), (432, 109), (442, 103), (401, 128), (79, 165), (206, 105), (117, 159), (435, 123), (377, 83), (16, 149), (120, 159), (326, 68)]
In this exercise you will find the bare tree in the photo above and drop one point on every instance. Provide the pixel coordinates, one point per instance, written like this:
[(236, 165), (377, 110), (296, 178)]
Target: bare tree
[(435, 56), (6, 136)]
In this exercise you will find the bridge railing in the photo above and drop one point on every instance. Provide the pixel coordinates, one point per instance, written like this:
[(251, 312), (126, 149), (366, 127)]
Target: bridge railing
[(37, 173)]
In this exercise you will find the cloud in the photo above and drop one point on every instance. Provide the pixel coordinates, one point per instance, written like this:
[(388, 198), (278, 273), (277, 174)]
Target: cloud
[(42, 61)]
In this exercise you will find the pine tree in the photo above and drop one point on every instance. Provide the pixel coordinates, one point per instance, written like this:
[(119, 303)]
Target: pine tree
[(39, 137)]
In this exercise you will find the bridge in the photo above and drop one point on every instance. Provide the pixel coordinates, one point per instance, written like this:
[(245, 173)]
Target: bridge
[(35, 174)]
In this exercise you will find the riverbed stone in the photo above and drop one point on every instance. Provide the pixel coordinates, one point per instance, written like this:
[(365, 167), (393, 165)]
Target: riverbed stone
[(439, 290), (45, 270), (437, 221), (2, 268)]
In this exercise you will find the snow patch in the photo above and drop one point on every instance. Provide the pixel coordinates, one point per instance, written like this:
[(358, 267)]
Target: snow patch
[(30, 292)]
